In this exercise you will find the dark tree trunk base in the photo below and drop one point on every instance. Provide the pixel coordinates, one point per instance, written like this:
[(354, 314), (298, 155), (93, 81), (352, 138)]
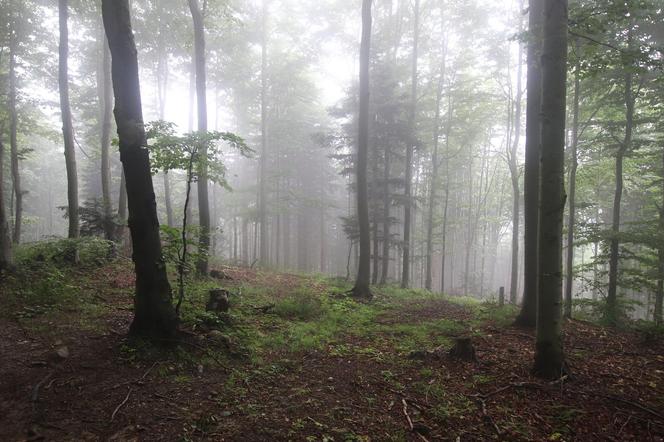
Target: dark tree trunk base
[(463, 349), (549, 363), (361, 292)]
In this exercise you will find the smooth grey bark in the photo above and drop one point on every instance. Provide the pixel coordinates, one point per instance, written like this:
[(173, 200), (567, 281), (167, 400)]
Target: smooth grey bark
[(13, 141), (361, 288), (67, 127), (201, 102), (659, 294), (574, 163), (6, 258), (611, 312), (262, 191), (514, 175), (405, 274), (527, 315), (106, 100), (549, 358), (154, 316)]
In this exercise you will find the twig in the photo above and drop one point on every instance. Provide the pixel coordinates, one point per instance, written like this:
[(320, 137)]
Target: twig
[(405, 412), (624, 401), (622, 427), (35, 391), (121, 404), (148, 371)]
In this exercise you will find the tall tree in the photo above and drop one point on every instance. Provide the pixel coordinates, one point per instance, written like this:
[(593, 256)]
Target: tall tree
[(574, 164), (512, 160), (410, 147), (106, 100), (361, 289), (13, 132), (67, 128), (5, 235), (527, 315), (154, 316), (549, 358), (201, 101), (262, 196)]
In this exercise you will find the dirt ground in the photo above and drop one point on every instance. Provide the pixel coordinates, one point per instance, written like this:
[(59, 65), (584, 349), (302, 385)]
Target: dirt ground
[(62, 378)]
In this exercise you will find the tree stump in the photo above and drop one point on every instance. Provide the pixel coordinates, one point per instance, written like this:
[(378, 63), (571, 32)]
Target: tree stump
[(463, 349), (218, 301), (220, 274)]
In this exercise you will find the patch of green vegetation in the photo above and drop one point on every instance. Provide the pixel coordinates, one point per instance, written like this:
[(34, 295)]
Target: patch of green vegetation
[(301, 306), (491, 312)]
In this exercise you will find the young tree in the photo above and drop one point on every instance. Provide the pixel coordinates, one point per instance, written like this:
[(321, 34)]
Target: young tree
[(106, 115), (201, 101), (67, 128), (5, 236), (361, 289), (405, 274), (262, 196), (154, 316), (527, 315), (549, 358)]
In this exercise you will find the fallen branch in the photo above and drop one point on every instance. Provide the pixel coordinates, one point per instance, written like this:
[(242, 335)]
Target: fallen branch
[(35, 391), (624, 401), (121, 404), (410, 421)]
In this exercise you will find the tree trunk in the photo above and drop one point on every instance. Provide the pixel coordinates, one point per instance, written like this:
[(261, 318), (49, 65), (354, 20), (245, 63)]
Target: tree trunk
[(574, 163), (154, 316), (611, 312), (106, 100), (13, 142), (514, 172), (549, 358), (67, 129), (201, 102), (435, 166), (527, 315), (262, 192), (361, 289), (405, 274), (6, 260), (386, 217)]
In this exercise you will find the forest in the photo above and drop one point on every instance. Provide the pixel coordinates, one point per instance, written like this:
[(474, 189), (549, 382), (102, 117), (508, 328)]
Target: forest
[(332, 220)]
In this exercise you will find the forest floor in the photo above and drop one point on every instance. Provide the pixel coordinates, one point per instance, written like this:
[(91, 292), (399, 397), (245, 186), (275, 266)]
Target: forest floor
[(311, 365)]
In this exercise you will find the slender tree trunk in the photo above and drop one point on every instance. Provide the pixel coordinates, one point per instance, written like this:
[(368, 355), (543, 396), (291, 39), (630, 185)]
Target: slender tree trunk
[(106, 100), (611, 315), (435, 166), (13, 129), (162, 75), (6, 259), (386, 217), (154, 316), (201, 101), (549, 358), (262, 192), (361, 289), (528, 313), (574, 163), (67, 129), (405, 274), (514, 172)]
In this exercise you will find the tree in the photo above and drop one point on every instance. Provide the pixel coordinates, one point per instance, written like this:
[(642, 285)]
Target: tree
[(527, 315), (405, 275), (549, 358), (361, 289), (5, 235), (574, 164), (262, 195), (154, 316), (13, 132), (106, 115), (67, 128), (201, 101)]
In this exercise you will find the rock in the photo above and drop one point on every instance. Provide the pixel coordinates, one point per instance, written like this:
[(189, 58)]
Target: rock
[(220, 274), (218, 301), (63, 352)]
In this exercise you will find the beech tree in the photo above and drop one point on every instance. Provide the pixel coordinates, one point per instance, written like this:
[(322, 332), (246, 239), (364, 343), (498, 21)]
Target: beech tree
[(361, 288), (549, 357), (154, 316), (67, 128)]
